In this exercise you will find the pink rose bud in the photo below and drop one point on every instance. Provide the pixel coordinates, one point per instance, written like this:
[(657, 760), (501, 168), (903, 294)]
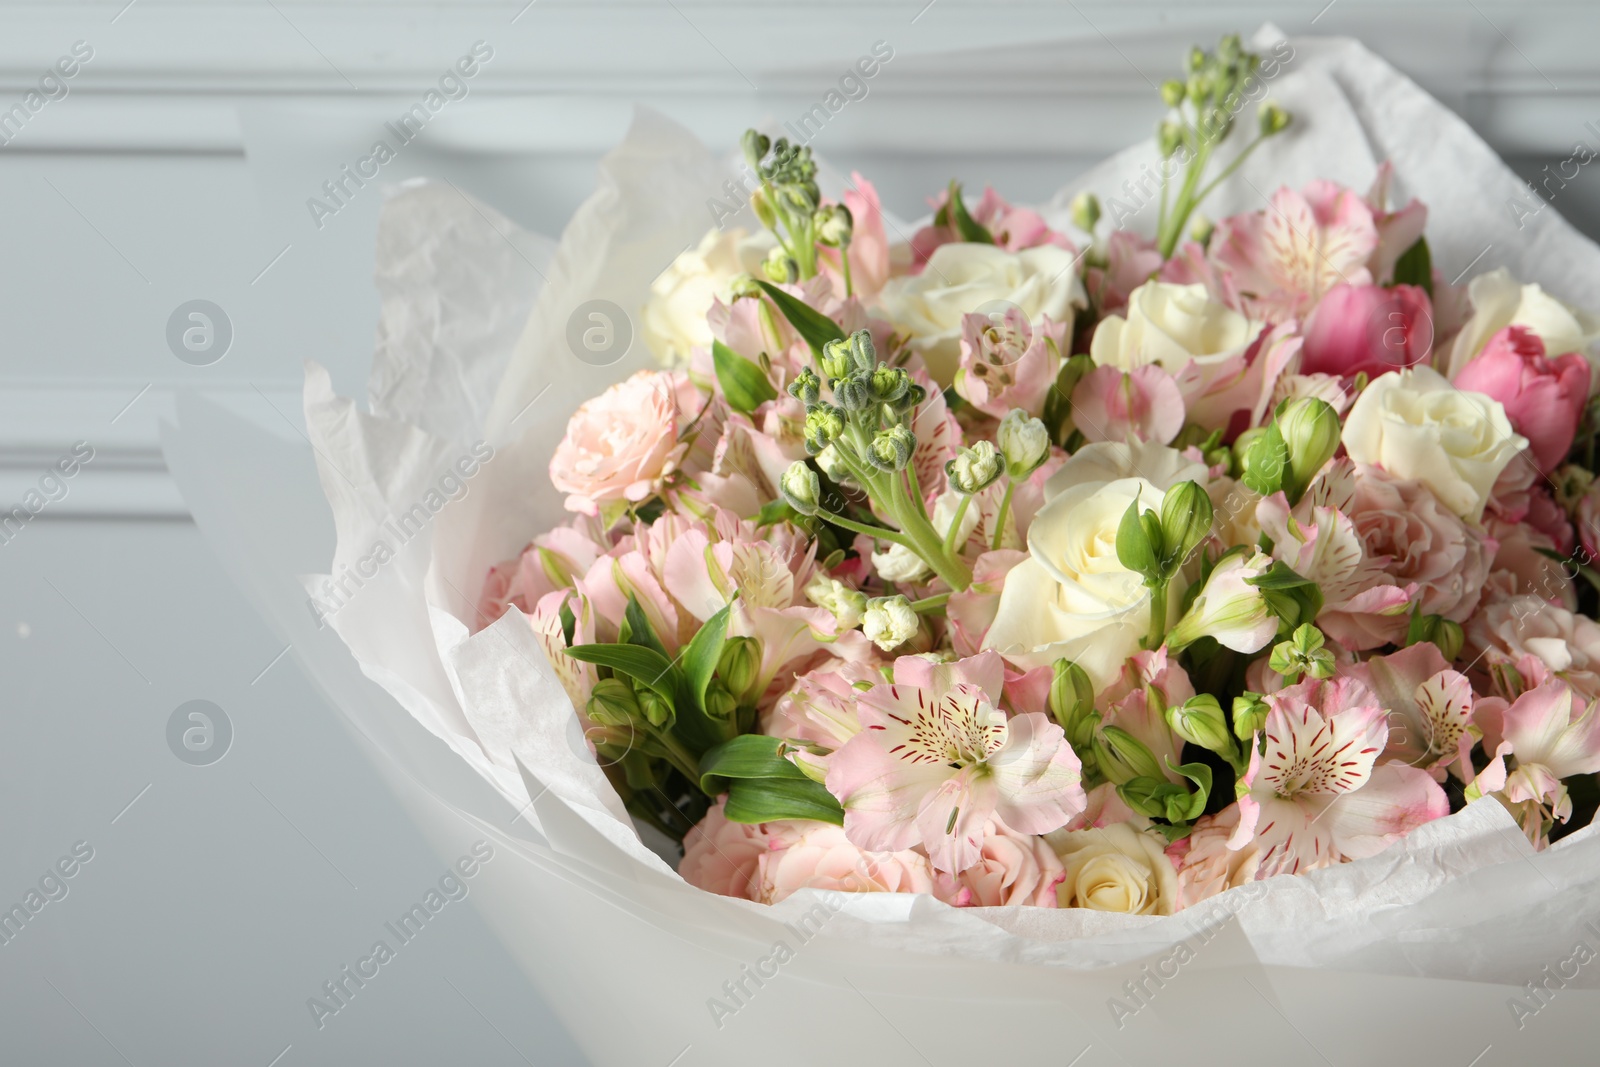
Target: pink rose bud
[(1543, 397), (1368, 328)]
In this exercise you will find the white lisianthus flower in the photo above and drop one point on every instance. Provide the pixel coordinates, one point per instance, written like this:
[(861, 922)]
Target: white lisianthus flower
[(961, 278), (1415, 424), (889, 622), (1115, 868), (1229, 608), (673, 321), (1499, 300)]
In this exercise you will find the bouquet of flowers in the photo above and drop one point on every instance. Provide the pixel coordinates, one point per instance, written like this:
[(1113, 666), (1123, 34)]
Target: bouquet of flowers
[(1078, 569), (1098, 559)]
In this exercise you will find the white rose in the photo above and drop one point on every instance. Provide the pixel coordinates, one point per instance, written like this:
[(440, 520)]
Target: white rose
[(1072, 598), (1415, 424), (1198, 341), (1499, 300), (1115, 868), (673, 321), (961, 278)]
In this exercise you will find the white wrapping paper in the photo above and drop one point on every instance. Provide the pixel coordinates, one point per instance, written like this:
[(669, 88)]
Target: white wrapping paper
[(1415, 955)]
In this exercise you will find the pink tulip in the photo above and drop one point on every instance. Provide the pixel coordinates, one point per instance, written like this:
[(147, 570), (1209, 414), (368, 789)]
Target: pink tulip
[(1543, 397), (1368, 328)]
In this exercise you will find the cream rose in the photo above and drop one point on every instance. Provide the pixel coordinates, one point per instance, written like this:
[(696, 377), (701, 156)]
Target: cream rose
[(1116, 868), (1415, 424), (673, 321), (1499, 300), (961, 278), (1072, 597), (1172, 326)]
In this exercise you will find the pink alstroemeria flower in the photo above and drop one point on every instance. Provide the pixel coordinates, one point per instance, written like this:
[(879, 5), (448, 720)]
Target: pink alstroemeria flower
[(1110, 404), (1286, 257), (1005, 364), (1315, 797), (1552, 736), (936, 760)]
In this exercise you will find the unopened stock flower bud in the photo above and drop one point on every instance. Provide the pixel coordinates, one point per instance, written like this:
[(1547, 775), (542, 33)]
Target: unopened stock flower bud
[(801, 488), (889, 622), (1024, 441), (973, 469)]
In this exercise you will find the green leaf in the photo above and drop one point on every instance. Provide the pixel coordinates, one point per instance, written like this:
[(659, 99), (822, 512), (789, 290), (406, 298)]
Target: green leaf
[(1134, 549), (1200, 775), (569, 622), (637, 630), (646, 665), (813, 325), (744, 385), (757, 800), (1415, 267), (969, 228), (701, 654), (746, 756), (1279, 576), (776, 511)]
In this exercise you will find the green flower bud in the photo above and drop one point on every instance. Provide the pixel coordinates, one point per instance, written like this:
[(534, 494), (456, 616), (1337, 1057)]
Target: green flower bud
[(1136, 549), (657, 709), (824, 424), (1123, 757), (1272, 119), (1230, 49), (1024, 441), (913, 398), (832, 464), (889, 384), (755, 145), (1172, 92), (800, 198), (1197, 59), (863, 354), (845, 604), (1249, 715), (853, 393), (1169, 135), (1302, 653), (780, 267), (744, 287), (612, 703), (801, 488), (1200, 721), (1449, 636), (1071, 699), (720, 704), (1085, 211), (1186, 514), (1263, 460), (1310, 432), (836, 360), (763, 209), (740, 668), (806, 387), (1200, 228), (834, 225), (891, 449), (974, 469)]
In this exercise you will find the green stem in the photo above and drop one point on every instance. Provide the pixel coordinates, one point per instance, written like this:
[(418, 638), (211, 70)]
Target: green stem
[(930, 603), (925, 540), (677, 755), (844, 269), (1229, 169), (1186, 201), (1158, 616), (955, 526), (878, 532), (1004, 514)]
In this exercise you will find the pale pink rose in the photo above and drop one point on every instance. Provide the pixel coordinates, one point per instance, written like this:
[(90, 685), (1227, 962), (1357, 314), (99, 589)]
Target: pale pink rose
[(1425, 542), (1543, 397), (1013, 869), (1302, 246), (819, 856), (937, 759), (1130, 261), (1006, 364), (621, 446), (1368, 329), (1206, 865), (722, 857), (1110, 404), (1521, 565)]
